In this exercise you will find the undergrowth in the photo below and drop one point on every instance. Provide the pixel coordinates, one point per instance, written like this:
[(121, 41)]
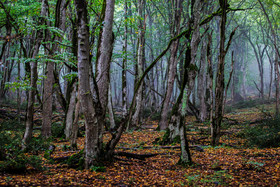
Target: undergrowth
[(263, 135)]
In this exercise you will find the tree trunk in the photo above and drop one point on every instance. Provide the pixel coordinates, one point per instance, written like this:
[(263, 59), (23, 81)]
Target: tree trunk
[(93, 115), (94, 110), (18, 90), (201, 82), (136, 118), (104, 60), (70, 113), (277, 82), (110, 109), (177, 120), (124, 65), (33, 81), (220, 80), (271, 74), (209, 86), (172, 67), (75, 126)]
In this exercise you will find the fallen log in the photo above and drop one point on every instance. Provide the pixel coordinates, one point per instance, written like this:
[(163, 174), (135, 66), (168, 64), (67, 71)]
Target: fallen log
[(136, 156), (197, 147)]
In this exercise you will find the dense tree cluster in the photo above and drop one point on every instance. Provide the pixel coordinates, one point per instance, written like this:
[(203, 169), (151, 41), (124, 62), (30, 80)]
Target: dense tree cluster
[(112, 62)]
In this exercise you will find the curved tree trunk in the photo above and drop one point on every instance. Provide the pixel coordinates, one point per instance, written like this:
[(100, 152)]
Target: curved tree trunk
[(93, 115), (33, 83), (94, 107), (172, 67)]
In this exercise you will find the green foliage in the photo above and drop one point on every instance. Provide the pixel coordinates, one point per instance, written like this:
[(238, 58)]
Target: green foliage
[(192, 179), (218, 178), (58, 130), (12, 158), (18, 163), (149, 113), (13, 104), (77, 160), (266, 134), (11, 125), (256, 165), (98, 168), (38, 144), (246, 104)]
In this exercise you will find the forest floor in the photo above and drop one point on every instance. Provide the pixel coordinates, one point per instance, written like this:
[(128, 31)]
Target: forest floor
[(230, 164)]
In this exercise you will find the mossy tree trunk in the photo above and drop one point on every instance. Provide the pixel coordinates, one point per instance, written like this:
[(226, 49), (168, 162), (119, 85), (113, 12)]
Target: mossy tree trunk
[(220, 80)]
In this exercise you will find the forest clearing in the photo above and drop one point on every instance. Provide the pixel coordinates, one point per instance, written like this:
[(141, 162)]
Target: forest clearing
[(139, 93)]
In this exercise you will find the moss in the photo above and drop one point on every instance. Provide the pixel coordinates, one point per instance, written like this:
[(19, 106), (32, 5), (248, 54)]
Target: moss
[(185, 164), (165, 138), (76, 160), (177, 139), (193, 67)]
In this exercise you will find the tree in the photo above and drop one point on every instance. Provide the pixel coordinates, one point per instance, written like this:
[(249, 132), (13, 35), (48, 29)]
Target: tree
[(94, 109), (220, 80), (172, 65), (136, 118), (33, 78)]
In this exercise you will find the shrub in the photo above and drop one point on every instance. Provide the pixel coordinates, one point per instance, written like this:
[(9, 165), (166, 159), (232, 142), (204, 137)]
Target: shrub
[(263, 135), (58, 130), (77, 160), (38, 144), (12, 125), (12, 158)]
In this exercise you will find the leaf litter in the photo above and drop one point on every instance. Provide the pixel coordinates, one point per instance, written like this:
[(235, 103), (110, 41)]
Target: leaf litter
[(231, 164)]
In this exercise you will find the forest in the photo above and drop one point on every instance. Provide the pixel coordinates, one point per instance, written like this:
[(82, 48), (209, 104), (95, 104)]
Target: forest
[(139, 93)]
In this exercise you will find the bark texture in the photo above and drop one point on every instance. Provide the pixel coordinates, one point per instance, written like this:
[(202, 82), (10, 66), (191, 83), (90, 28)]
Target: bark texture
[(33, 81), (220, 80), (93, 113), (136, 118), (172, 67)]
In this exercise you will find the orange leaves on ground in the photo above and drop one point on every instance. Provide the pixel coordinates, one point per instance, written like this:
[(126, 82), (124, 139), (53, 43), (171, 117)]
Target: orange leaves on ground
[(222, 166)]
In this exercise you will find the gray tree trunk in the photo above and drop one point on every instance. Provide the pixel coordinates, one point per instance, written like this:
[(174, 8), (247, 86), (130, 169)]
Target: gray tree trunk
[(94, 108), (136, 118), (104, 60), (110, 109), (33, 81), (277, 81), (93, 115), (124, 65), (70, 113), (172, 67), (201, 84), (75, 127)]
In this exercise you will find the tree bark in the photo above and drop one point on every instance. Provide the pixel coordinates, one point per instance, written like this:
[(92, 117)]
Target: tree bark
[(104, 60), (136, 118), (277, 81), (94, 107), (93, 114), (124, 65), (201, 82), (110, 109), (220, 80), (70, 113), (33, 81), (75, 126)]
